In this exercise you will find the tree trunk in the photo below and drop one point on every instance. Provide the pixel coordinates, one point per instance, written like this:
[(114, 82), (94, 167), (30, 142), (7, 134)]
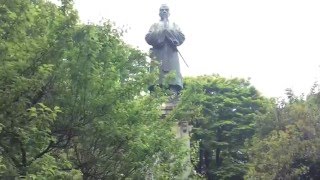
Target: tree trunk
[(218, 160), (201, 165), (208, 160)]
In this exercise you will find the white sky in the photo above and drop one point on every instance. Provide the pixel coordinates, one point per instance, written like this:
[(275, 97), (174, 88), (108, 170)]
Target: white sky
[(276, 43)]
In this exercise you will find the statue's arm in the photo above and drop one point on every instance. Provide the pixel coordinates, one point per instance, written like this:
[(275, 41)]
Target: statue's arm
[(175, 34), (155, 37)]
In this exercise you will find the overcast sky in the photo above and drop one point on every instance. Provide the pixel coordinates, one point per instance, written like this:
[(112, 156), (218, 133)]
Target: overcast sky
[(275, 43)]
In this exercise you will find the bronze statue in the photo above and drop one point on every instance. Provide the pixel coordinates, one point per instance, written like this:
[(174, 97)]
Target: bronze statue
[(164, 37)]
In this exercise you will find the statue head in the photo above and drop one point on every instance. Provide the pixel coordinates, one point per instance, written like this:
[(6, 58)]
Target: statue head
[(164, 11)]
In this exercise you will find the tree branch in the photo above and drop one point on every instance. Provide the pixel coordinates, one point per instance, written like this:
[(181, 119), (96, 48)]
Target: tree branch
[(49, 148)]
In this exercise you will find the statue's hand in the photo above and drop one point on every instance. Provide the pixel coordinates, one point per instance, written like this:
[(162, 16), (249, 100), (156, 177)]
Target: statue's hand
[(165, 31), (175, 42)]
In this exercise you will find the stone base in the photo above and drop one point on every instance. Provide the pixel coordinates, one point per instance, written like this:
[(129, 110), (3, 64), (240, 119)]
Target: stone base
[(167, 108)]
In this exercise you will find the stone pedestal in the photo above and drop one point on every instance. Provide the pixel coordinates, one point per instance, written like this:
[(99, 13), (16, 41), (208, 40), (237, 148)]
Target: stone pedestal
[(166, 109), (182, 130)]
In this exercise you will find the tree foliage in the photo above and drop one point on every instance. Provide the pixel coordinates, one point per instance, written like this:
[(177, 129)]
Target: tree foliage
[(224, 117), (73, 105), (70, 100), (288, 148), (30, 49)]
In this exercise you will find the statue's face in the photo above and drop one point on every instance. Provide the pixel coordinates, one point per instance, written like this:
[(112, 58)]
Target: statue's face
[(164, 12)]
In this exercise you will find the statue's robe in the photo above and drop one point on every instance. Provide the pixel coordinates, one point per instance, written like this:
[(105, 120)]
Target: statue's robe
[(165, 52)]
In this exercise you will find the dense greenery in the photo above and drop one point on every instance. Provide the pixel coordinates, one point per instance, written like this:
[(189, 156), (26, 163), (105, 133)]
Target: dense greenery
[(224, 118), (71, 103), (286, 145), (238, 134), (74, 105), (31, 51)]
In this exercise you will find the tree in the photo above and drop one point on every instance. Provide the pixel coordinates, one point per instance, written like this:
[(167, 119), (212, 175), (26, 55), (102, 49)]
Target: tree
[(110, 130), (289, 148), (30, 50), (225, 111), (71, 100)]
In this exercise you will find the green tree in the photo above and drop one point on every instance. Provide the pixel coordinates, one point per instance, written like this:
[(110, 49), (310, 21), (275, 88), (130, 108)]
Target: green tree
[(224, 117), (289, 147), (32, 34), (111, 131), (71, 100)]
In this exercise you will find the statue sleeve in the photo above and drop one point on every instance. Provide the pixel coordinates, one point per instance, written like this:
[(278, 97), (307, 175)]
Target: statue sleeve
[(176, 34), (155, 36)]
